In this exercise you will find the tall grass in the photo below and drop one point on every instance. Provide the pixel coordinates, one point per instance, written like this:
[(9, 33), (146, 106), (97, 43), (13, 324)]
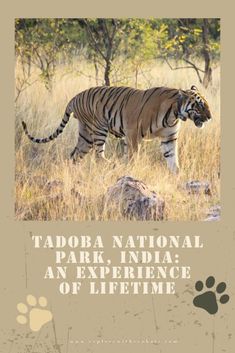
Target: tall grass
[(49, 187)]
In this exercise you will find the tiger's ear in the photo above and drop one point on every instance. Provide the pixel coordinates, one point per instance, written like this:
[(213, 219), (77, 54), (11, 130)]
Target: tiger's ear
[(193, 88)]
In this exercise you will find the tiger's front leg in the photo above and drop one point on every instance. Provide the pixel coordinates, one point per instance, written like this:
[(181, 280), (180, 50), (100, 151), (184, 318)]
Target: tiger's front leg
[(169, 150)]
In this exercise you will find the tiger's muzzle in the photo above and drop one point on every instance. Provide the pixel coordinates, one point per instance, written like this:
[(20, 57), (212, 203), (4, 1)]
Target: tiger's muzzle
[(199, 120)]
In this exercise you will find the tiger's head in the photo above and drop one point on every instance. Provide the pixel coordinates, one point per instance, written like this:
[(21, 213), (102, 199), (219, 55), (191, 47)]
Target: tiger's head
[(192, 105)]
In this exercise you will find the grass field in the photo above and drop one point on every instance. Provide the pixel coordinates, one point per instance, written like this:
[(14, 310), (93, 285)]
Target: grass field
[(49, 187)]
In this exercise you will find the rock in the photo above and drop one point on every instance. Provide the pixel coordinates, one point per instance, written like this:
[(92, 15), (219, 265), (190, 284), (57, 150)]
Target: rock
[(135, 200), (214, 213), (198, 187)]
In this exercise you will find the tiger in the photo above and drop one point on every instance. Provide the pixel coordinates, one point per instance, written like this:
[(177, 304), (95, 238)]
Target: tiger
[(131, 114)]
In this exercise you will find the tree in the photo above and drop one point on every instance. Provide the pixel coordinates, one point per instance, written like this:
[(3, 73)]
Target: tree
[(43, 43), (104, 37), (140, 44), (190, 40), (206, 53), (40, 42)]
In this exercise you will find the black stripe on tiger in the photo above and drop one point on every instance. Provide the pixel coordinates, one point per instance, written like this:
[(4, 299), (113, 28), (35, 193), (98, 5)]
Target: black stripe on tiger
[(166, 142), (85, 139), (168, 154), (146, 101), (166, 116), (119, 92)]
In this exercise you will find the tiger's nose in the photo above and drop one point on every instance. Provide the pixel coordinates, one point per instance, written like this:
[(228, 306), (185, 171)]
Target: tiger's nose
[(207, 117)]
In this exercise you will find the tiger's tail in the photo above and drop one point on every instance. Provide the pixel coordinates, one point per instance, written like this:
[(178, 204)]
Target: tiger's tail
[(55, 134)]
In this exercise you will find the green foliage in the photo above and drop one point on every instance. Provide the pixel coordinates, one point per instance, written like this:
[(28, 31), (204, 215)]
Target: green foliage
[(140, 40), (182, 38), (42, 42), (45, 42)]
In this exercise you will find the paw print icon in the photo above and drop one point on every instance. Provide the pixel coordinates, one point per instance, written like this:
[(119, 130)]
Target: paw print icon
[(33, 312), (211, 295)]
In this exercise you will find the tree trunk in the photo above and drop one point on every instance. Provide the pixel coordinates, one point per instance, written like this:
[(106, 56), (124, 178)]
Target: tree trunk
[(96, 71), (207, 79), (107, 73), (136, 76)]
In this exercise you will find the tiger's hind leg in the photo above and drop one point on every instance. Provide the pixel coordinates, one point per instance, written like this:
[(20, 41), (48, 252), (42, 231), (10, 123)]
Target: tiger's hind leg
[(131, 145), (99, 139), (124, 149), (84, 143)]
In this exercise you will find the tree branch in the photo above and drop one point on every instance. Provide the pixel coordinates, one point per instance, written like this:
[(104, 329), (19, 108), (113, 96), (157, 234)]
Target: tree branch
[(178, 67), (93, 41), (192, 66), (195, 68), (23, 86)]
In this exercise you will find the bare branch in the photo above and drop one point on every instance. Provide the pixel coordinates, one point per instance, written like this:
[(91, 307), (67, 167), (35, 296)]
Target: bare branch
[(22, 87), (40, 59), (114, 30), (105, 29), (192, 66), (93, 41), (178, 67), (195, 68), (88, 76)]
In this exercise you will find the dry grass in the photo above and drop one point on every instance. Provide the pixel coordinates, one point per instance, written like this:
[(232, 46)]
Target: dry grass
[(49, 187)]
